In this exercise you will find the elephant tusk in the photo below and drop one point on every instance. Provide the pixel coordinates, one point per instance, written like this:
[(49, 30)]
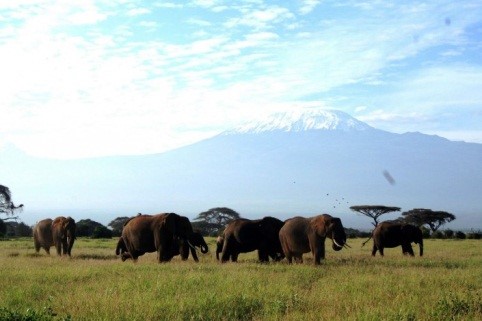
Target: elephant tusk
[(334, 241), (190, 245)]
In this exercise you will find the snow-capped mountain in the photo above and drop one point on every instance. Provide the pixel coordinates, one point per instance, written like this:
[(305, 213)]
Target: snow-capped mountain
[(303, 120), (291, 164)]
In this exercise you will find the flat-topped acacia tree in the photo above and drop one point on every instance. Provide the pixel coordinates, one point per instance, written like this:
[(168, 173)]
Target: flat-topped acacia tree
[(422, 216), (374, 211)]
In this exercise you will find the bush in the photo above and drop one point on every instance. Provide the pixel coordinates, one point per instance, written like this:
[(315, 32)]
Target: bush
[(460, 235), (449, 234), (476, 235), (101, 232), (438, 235)]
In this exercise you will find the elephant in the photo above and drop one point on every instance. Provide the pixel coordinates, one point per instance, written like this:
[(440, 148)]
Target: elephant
[(156, 233), (178, 247), (59, 232), (392, 234), (182, 248), (301, 235), (244, 235)]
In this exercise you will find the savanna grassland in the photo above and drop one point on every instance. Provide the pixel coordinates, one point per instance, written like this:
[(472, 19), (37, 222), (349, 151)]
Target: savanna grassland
[(445, 284)]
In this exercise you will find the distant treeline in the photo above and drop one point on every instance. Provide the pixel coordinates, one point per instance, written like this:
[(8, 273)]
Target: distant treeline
[(93, 229)]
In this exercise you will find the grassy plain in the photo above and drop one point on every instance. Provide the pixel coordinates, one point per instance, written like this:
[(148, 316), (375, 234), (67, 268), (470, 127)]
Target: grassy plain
[(445, 284)]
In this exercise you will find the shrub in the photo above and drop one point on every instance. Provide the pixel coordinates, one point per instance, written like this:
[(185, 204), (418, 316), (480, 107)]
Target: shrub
[(460, 235), (101, 232), (438, 235), (449, 234), (476, 235)]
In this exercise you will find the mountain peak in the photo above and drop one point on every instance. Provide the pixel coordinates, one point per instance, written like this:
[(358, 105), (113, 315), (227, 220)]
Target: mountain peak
[(303, 120)]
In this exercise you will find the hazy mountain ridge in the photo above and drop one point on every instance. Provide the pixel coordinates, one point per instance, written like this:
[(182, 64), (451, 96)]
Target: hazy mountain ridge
[(273, 172)]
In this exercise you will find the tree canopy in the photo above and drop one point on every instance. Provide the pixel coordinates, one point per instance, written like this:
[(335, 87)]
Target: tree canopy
[(423, 216), (117, 225), (6, 205), (374, 211), (91, 228), (213, 221)]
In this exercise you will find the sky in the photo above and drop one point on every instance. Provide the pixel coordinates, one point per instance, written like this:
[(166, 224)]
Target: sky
[(96, 78)]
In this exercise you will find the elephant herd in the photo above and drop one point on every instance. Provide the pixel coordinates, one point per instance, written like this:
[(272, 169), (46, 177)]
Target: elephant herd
[(169, 235)]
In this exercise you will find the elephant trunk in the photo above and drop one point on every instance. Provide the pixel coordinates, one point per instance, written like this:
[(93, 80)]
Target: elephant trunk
[(204, 248), (339, 240), (192, 247)]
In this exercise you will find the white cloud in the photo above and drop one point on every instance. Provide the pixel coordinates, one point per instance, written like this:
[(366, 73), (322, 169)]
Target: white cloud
[(308, 6), (138, 12), (261, 19)]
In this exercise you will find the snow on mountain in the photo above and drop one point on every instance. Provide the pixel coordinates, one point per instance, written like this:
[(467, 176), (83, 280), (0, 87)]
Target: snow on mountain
[(303, 120)]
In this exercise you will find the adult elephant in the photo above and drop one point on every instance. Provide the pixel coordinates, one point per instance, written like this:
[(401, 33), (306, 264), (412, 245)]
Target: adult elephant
[(59, 232), (301, 235), (244, 235), (392, 234), (155, 233), (178, 247)]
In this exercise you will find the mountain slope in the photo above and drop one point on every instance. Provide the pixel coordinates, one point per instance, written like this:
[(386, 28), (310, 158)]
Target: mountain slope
[(281, 171)]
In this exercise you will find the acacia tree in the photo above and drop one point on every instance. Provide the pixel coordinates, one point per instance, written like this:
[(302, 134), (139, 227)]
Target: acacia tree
[(213, 221), (374, 211), (6, 205), (423, 216), (117, 225)]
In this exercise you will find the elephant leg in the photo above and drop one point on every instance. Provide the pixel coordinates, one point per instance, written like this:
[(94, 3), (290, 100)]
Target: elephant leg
[(225, 255), (162, 255), (234, 257), (407, 249), (65, 250), (37, 245), (263, 256), (298, 258), (380, 249), (374, 250), (47, 249), (58, 247), (228, 251), (317, 256), (126, 256), (289, 258), (318, 251), (194, 254)]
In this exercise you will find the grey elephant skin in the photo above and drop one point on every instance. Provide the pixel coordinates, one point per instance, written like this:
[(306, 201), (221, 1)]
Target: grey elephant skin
[(301, 235), (59, 232), (155, 233), (244, 235), (392, 234)]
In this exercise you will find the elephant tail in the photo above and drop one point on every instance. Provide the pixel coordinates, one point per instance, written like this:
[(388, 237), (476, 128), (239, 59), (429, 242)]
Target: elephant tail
[(363, 244)]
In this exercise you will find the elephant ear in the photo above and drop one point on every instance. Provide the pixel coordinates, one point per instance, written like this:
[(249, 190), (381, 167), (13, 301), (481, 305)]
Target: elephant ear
[(169, 224), (319, 225)]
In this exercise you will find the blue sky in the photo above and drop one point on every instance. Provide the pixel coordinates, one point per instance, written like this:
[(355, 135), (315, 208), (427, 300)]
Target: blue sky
[(94, 78)]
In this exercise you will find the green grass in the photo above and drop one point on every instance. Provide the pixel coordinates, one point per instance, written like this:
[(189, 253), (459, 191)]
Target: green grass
[(446, 284)]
